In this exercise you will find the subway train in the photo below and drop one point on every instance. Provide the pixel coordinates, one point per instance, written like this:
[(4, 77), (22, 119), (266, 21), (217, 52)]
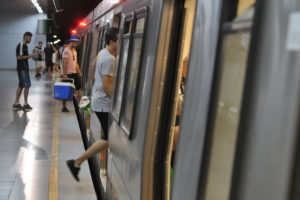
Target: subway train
[(206, 99)]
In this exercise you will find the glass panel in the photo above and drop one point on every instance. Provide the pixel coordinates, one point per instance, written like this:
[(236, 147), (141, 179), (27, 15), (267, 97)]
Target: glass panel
[(233, 69), (127, 27), (121, 78), (140, 25), (126, 117)]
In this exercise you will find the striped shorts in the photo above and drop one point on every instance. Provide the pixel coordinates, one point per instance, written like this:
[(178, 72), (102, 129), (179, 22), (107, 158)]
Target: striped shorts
[(24, 79)]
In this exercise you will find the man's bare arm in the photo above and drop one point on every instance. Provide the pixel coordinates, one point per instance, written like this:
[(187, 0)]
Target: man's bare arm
[(107, 82)]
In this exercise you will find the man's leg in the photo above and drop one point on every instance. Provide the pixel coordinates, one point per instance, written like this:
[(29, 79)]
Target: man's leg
[(18, 95), (26, 91), (97, 147)]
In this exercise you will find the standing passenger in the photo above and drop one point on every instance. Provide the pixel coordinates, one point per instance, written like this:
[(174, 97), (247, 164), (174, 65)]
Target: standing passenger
[(23, 73), (101, 97), (49, 50), (39, 59), (71, 68)]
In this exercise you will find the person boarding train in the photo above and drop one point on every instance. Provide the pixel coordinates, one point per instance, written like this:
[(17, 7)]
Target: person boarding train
[(101, 96)]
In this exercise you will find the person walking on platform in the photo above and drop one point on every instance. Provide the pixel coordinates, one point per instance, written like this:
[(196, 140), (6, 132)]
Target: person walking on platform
[(49, 50), (38, 59), (23, 73), (101, 97), (71, 68)]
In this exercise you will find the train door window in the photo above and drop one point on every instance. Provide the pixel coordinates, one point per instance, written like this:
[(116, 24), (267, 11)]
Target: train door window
[(87, 57), (117, 20), (83, 51), (124, 54), (100, 39), (231, 71), (132, 74), (103, 43), (92, 66)]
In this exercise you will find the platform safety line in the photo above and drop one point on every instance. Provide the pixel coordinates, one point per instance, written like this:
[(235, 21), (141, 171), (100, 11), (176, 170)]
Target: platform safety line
[(53, 179)]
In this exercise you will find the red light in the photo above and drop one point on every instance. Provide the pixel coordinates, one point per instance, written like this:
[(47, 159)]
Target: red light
[(74, 31), (82, 24)]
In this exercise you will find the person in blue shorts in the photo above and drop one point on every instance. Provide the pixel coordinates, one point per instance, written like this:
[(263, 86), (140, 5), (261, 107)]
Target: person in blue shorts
[(23, 73)]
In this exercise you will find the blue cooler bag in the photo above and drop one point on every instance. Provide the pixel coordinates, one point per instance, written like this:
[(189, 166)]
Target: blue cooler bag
[(64, 90)]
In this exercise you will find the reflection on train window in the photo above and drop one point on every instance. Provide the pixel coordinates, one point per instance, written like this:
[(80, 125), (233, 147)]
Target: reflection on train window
[(121, 78), (140, 25), (233, 66), (131, 84)]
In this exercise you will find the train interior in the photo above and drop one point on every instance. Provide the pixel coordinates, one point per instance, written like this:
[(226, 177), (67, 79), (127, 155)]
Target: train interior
[(236, 35)]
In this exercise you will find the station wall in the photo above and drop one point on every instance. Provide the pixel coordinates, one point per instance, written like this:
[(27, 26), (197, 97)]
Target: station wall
[(12, 28)]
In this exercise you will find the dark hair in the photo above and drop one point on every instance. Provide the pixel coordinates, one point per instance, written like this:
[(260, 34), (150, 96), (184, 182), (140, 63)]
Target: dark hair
[(111, 34), (27, 34), (40, 42)]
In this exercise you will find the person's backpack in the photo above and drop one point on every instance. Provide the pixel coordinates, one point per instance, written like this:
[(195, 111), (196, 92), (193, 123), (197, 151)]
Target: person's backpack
[(36, 57)]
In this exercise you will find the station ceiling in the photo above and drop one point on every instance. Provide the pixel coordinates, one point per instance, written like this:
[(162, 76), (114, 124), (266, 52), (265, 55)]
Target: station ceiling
[(21, 6), (66, 13)]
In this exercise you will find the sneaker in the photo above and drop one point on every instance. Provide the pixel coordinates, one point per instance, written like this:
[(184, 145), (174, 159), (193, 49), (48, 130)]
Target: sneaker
[(27, 108), (74, 170), (17, 107), (65, 110)]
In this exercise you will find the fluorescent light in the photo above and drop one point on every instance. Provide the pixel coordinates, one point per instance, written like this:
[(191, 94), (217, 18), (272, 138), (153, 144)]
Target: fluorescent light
[(54, 36), (37, 6)]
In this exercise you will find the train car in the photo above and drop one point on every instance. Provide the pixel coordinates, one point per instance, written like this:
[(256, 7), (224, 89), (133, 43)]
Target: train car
[(197, 110)]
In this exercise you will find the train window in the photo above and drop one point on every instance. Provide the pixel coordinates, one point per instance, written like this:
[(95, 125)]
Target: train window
[(132, 74), (100, 39), (232, 68), (140, 25), (125, 39), (131, 84), (121, 78)]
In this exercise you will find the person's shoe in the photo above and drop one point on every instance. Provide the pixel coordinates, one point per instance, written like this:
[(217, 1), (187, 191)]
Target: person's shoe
[(74, 170), (65, 110), (36, 75), (27, 108), (17, 107), (39, 75)]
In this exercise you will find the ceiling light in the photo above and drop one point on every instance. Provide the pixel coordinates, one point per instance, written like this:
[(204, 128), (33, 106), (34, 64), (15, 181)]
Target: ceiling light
[(54, 36), (37, 6)]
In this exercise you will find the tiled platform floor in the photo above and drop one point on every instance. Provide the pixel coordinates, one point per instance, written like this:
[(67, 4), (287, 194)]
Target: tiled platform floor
[(26, 145)]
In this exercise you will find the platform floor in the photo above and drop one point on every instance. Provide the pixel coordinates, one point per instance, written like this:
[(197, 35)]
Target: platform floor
[(30, 141)]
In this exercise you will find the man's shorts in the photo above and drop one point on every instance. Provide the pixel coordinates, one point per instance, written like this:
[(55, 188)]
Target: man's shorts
[(77, 81), (103, 119), (24, 79), (39, 64), (49, 63)]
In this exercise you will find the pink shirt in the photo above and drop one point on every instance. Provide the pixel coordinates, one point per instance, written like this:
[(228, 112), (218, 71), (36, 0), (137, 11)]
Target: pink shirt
[(71, 55)]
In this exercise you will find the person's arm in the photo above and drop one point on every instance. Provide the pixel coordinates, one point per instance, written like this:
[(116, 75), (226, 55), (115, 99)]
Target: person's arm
[(65, 62), (78, 69), (53, 47), (107, 73), (107, 82)]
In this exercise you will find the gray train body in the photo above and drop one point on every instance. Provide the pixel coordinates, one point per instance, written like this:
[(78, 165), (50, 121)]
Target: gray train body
[(265, 161)]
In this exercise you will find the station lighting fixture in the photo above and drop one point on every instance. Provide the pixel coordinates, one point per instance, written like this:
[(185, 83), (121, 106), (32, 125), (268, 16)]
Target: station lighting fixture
[(82, 24), (37, 6), (54, 36), (73, 31)]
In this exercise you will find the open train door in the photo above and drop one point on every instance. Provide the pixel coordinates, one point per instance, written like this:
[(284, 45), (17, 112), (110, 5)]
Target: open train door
[(240, 121)]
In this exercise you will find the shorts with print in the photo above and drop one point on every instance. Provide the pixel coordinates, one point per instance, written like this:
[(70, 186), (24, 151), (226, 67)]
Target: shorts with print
[(24, 79)]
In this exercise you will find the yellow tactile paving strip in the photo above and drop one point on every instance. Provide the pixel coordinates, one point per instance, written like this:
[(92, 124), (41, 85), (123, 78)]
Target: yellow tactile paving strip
[(53, 179)]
